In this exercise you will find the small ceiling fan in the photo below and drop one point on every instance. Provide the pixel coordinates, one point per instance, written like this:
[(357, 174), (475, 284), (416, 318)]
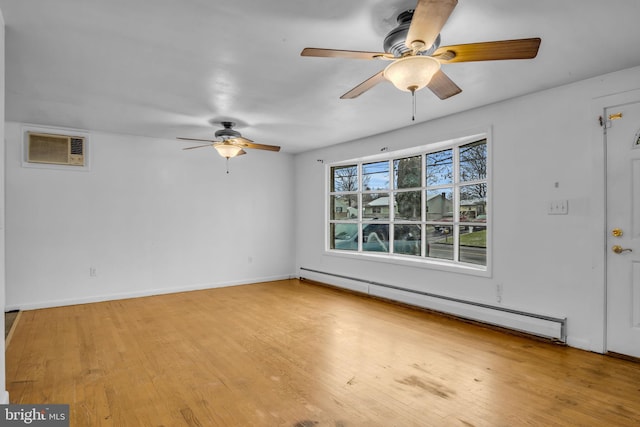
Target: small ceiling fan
[(414, 48), (230, 143)]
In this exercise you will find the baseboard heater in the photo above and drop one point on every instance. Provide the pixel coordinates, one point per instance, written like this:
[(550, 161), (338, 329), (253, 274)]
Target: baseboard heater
[(548, 327)]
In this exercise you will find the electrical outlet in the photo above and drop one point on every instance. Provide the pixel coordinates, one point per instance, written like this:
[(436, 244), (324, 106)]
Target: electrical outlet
[(92, 272), (558, 207)]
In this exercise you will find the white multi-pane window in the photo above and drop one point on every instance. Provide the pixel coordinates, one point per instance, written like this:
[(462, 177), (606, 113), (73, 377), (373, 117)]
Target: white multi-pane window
[(430, 205)]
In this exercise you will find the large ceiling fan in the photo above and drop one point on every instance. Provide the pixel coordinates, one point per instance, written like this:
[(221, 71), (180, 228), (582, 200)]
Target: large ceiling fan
[(414, 48), (229, 142)]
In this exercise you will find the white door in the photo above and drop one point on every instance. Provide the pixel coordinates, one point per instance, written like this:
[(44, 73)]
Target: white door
[(623, 229)]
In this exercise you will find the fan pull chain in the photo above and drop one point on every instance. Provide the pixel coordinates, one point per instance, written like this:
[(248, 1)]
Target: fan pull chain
[(227, 164), (413, 101), (413, 116)]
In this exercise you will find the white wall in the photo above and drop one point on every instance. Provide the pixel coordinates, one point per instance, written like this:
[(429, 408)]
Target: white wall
[(149, 217), (4, 395), (546, 264)]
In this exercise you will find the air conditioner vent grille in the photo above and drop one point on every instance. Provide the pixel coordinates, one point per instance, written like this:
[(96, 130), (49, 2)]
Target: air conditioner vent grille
[(77, 146)]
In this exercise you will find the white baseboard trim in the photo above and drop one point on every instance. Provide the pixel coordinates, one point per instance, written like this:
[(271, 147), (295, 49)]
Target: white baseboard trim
[(4, 398), (138, 294)]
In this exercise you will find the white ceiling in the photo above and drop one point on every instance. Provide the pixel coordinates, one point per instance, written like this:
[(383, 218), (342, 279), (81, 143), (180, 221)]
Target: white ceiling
[(167, 68)]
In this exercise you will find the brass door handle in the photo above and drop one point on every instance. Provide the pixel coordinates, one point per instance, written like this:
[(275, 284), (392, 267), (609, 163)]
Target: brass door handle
[(619, 249)]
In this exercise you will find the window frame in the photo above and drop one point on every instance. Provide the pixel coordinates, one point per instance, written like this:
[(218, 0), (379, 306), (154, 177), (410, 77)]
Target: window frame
[(417, 260)]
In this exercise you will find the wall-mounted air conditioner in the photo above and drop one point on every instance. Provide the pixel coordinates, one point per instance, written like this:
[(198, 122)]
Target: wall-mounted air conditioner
[(55, 149)]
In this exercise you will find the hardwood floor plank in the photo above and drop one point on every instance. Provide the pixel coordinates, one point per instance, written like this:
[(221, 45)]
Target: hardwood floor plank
[(290, 353)]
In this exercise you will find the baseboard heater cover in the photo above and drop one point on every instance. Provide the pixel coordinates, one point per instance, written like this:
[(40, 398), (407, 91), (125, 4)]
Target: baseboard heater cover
[(553, 328)]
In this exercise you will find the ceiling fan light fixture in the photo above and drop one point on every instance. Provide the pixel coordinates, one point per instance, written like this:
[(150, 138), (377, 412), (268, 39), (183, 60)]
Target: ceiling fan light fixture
[(227, 150), (411, 73)]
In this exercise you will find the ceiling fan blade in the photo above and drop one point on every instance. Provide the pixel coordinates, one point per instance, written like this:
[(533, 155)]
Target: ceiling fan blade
[(247, 143), (428, 19), (196, 139), (199, 146), (240, 153), (490, 51), (348, 54), (443, 86), (364, 86)]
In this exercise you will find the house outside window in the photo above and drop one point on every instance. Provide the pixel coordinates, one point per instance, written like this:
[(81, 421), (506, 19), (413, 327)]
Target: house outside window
[(429, 206)]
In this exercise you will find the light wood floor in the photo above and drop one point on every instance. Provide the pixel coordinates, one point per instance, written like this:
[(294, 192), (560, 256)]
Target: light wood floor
[(296, 354)]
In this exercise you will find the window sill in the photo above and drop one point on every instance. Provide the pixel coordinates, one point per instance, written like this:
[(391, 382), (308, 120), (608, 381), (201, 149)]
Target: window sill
[(417, 262)]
